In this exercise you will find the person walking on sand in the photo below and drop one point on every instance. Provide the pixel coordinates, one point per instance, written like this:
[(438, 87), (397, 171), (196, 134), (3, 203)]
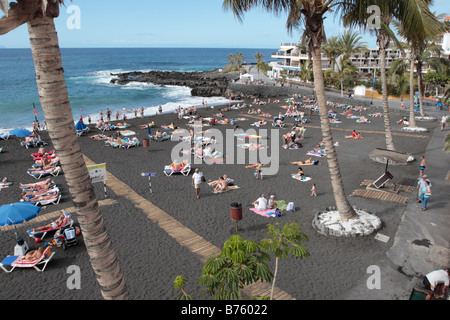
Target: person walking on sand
[(197, 180), (423, 165), (258, 172), (313, 190)]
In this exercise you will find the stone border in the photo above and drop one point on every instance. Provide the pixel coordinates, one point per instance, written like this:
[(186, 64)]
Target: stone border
[(426, 119), (416, 129), (346, 228)]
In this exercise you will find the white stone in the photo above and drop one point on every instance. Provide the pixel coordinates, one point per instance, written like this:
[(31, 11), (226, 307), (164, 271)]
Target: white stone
[(365, 224), (416, 129)]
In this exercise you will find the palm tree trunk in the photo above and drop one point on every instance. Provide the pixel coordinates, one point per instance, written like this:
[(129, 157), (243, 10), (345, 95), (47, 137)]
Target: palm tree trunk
[(387, 120), (345, 209), (412, 116), (274, 278), (58, 115), (420, 85), (342, 87)]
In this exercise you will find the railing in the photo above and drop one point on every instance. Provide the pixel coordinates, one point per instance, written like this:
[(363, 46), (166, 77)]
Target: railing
[(289, 44)]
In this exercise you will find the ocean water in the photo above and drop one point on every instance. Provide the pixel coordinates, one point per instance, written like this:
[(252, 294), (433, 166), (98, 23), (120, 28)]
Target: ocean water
[(88, 76)]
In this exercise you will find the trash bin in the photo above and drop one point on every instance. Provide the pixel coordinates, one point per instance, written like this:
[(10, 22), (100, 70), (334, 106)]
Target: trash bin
[(146, 143), (236, 211)]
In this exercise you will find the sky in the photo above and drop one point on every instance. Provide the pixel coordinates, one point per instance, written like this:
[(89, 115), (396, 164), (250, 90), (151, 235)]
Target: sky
[(172, 23)]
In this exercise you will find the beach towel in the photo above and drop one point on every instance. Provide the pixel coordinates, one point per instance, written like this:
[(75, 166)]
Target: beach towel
[(312, 153), (273, 213), (305, 178), (265, 213), (216, 160), (127, 133)]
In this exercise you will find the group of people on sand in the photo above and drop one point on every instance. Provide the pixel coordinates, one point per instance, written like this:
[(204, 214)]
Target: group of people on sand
[(262, 204), (354, 135), (221, 184)]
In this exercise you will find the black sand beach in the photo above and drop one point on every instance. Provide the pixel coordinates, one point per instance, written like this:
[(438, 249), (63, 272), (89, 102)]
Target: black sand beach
[(151, 260)]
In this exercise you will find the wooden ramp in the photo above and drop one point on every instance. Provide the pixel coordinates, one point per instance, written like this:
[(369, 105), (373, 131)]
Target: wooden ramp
[(398, 187), (380, 195)]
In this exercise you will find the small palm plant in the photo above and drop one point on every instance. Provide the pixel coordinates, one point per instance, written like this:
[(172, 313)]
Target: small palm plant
[(283, 243)]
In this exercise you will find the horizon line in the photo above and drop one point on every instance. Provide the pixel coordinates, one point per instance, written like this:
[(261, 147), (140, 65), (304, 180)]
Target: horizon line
[(169, 47)]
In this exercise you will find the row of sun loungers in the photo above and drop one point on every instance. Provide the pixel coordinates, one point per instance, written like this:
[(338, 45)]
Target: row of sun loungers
[(125, 144), (41, 193), (31, 142)]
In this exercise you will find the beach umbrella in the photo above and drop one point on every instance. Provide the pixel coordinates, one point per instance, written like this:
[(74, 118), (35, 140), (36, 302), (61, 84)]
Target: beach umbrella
[(21, 133), (148, 129), (80, 126), (17, 213)]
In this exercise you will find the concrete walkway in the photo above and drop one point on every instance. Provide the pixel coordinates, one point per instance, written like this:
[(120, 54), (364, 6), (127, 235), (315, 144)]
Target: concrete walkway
[(421, 244)]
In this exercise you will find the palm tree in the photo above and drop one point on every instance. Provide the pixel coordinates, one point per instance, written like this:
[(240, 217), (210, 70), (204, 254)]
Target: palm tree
[(239, 59), (311, 14), (398, 75), (355, 15), (350, 43), (428, 53), (415, 27), (303, 47), (345, 68), (232, 58), (40, 15), (259, 62), (332, 50)]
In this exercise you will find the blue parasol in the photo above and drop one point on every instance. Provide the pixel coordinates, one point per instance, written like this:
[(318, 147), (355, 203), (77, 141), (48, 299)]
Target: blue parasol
[(17, 213), (148, 129), (80, 126), (21, 133)]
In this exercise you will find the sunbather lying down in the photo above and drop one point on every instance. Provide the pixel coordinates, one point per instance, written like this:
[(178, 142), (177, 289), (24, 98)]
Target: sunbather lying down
[(52, 225), (42, 185), (310, 161), (144, 126), (177, 166), (32, 255), (5, 183), (48, 167), (41, 197)]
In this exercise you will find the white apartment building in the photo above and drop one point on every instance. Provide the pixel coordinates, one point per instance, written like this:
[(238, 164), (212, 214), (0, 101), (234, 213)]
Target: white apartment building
[(289, 57)]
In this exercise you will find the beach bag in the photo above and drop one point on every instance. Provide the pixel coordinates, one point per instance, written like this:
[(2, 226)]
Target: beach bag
[(278, 213), (203, 179), (290, 207)]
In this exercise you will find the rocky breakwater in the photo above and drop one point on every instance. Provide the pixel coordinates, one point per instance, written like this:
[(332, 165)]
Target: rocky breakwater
[(203, 84)]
